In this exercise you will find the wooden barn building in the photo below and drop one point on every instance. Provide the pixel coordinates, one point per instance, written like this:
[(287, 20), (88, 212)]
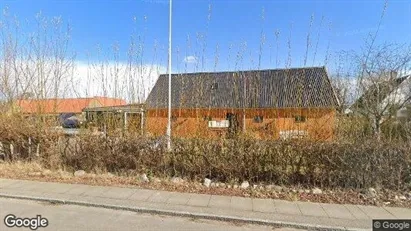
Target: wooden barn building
[(268, 104)]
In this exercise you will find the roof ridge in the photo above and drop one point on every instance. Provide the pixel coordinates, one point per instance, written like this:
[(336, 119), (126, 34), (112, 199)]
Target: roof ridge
[(261, 70)]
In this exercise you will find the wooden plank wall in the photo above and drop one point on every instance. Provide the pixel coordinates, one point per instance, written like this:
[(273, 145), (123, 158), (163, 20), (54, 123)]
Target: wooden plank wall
[(194, 122)]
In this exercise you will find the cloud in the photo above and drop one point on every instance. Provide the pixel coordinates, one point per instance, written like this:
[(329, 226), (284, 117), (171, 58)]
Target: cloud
[(190, 59), (115, 80), (80, 79)]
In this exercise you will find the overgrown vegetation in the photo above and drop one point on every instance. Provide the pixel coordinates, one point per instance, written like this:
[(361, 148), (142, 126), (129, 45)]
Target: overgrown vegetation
[(358, 164)]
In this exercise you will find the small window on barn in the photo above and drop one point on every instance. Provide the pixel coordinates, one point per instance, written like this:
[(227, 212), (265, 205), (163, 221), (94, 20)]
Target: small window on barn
[(300, 119), (258, 119), (173, 118), (214, 86)]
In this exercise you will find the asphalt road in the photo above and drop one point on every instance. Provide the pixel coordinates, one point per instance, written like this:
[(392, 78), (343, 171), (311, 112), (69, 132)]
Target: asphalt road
[(70, 217)]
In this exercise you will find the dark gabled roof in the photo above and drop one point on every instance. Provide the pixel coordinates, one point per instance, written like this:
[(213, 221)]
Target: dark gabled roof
[(280, 88), (377, 92)]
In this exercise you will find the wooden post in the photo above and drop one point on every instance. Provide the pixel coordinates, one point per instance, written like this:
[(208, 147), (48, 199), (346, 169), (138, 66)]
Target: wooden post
[(11, 149), (2, 152), (125, 121), (38, 150), (142, 122), (29, 147)]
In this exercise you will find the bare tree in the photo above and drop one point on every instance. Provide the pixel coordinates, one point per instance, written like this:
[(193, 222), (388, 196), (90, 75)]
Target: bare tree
[(381, 81), (49, 61), (9, 82), (37, 64)]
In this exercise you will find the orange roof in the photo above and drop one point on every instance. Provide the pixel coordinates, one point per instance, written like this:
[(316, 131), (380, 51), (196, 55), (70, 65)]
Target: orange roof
[(74, 105)]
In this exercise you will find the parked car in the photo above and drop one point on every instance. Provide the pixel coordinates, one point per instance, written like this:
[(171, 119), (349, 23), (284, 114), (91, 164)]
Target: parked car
[(69, 120)]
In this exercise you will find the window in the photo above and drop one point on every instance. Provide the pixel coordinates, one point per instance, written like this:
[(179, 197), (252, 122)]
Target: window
[(207, 118), (300, 119), (173, 118), (258, 119)]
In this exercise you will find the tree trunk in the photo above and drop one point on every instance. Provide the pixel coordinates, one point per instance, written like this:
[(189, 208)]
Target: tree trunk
[(377, 127)]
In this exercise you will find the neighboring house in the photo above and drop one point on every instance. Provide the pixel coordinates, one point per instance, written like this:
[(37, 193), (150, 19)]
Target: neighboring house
[(53, 109), (273, 104), (383, 97)]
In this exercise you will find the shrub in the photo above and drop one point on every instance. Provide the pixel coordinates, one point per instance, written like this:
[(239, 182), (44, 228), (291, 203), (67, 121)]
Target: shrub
[(354, 164)]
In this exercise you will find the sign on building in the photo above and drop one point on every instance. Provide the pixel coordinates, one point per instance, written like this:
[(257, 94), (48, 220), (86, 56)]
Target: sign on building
[(218, 124)]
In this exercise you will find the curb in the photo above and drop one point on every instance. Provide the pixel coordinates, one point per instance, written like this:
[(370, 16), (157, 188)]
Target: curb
[(275, 224)]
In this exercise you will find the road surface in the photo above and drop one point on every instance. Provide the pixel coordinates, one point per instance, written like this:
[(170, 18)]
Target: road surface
[(70, 217)]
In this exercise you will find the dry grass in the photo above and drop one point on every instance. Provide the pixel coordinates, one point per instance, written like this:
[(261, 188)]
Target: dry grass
[(34, 171)]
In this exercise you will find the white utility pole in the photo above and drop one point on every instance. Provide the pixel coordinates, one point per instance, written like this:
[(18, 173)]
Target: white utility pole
[(169, 80), (244, 100)]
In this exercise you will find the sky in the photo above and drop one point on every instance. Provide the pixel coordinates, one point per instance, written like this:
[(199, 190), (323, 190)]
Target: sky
[(230, 28), (210, 35)]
